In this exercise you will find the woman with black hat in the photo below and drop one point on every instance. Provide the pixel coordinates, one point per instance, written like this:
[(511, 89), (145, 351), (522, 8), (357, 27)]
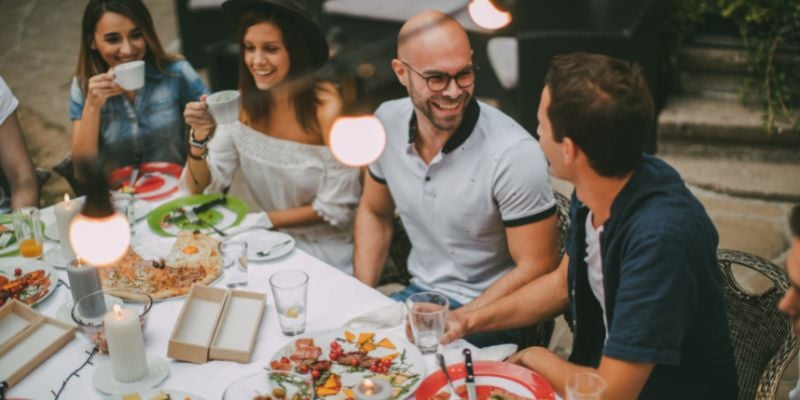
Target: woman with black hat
[(279, 140)]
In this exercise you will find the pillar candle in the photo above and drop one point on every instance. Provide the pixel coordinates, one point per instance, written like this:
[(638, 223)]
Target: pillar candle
[(125, 345), (65, 211), (84, 279)]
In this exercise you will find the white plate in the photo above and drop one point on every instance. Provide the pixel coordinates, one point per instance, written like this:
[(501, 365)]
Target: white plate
[(147, 394), (103, 378), (140, 210), (413, 362), (55, 258), (11, 247), (7, 267), (260, 239)]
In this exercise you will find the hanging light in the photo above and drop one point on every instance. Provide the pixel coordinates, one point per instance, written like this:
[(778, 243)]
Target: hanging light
[(486, 15), (357, 141), (99, 235)]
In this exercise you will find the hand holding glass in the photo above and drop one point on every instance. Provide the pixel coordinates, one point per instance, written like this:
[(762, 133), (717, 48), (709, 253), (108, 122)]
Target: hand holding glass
[(427, 312), (585, 386)]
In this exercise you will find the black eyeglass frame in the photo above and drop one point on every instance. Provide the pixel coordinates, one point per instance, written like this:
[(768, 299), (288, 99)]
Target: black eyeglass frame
[(469, 72)]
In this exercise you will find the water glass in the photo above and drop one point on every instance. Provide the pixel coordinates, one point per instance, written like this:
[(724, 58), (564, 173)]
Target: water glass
[(234, 261), (585, 386), (123, 204), (28, 231), (427, 312), (290, 289)]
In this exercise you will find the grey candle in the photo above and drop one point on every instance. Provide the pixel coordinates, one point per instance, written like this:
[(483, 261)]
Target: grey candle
[(83, 280)]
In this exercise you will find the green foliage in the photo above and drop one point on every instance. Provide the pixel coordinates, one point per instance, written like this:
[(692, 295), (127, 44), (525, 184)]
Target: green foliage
[(767, 28)]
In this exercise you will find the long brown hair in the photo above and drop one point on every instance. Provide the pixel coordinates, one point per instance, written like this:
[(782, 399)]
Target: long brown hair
[(90, 63), (255, 102)]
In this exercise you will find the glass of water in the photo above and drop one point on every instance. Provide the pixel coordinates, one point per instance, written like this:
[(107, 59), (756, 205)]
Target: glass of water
[(123, 204), (290, 289), (427, 312), (585, 386), (234, 261)]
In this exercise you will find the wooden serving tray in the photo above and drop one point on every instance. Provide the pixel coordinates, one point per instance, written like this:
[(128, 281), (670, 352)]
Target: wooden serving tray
[(27, 338), (191, 337), (238, 327)]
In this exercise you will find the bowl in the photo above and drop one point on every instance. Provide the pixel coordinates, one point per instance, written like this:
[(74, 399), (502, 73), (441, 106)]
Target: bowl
[(88, 312)]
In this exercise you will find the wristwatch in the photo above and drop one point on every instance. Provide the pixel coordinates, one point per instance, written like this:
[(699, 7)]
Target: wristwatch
[(200, 144)]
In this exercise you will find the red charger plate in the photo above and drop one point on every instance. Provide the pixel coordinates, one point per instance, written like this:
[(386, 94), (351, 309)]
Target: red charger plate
[(512, 374), (157, 180)]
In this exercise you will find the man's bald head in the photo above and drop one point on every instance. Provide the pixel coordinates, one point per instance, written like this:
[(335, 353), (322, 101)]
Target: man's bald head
[(430, 31)]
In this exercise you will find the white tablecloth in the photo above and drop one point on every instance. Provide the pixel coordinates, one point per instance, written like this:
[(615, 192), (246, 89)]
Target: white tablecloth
[(333, 299)]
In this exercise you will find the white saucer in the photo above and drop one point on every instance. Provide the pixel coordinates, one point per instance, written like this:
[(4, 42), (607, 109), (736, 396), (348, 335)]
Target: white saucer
[(259, 239), (103, 378), (55, 258)]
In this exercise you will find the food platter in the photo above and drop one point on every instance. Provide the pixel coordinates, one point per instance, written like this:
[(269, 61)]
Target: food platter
[(520, 382), (404, 369), (31, 290)]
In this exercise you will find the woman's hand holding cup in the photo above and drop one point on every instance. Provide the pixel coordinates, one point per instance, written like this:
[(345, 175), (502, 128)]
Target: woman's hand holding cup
[(197, 116), (101, 87)]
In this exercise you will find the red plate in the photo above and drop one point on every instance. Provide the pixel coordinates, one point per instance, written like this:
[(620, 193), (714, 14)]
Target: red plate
[(157, 180), (511, 377)]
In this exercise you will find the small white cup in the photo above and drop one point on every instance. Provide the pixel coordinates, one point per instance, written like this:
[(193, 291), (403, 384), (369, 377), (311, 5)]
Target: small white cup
[(130, 76), (224, 106)]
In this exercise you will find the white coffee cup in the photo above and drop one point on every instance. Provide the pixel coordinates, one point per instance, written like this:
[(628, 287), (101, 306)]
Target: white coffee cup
[(224, 106), (130, 76)]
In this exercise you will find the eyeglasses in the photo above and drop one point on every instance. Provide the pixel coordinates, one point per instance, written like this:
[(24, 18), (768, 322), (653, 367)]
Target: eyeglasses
[(438, 82)]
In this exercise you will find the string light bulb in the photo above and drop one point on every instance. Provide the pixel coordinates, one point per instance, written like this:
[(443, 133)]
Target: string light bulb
[(100, 241), (357, 141), (486, 15)]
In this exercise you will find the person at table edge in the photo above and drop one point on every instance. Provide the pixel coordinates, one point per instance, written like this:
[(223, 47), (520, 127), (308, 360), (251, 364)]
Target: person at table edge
[(640, 277), (790, 304), (469, 183), (19, 186), (128, 127)]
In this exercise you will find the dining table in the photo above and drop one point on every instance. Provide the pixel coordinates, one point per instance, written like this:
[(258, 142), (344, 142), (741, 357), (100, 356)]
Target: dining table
[(333, 299)]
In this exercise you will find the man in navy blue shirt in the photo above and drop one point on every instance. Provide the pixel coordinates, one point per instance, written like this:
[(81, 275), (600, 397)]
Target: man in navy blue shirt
[(640, 275)]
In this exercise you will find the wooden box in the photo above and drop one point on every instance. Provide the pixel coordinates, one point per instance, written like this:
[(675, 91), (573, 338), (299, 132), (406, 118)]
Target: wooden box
[(27, 338), (191, 337), (238, 327)]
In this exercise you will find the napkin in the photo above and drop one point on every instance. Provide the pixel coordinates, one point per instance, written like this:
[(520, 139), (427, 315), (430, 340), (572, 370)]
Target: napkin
[(251, 221), (386, 317), (452, 352)]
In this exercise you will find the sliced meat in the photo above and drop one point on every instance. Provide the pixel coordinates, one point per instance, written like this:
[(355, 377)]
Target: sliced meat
[(280, 366)]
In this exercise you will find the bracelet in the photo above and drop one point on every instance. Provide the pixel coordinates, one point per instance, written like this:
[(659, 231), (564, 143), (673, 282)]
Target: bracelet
[(201, 157), (198, 143)]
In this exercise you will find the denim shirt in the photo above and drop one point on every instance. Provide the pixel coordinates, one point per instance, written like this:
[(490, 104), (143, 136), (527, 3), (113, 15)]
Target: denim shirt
[(662, 289), (151, 128)]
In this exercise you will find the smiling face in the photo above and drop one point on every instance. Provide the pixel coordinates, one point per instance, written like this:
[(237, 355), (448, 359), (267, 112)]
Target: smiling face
[(790, 304), (265, 55), (118, 40)]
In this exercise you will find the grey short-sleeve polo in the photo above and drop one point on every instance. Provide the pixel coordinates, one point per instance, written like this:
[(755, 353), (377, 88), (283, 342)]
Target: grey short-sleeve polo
[(456, 209)]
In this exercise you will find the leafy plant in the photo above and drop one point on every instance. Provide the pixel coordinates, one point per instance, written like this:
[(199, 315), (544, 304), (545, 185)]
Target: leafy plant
[(767, 29)]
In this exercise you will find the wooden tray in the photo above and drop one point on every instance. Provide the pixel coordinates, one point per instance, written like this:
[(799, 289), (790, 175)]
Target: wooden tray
[(238, 327), (191, 337)]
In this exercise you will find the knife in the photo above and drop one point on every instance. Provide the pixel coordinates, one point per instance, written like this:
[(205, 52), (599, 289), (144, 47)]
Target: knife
[(471, 393), (179, 213)]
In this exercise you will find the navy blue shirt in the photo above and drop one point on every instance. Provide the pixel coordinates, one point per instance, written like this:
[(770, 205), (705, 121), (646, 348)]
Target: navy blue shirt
[(663, 289)]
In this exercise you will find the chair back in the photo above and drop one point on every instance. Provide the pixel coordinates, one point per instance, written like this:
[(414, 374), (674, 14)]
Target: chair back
[(763, 341)]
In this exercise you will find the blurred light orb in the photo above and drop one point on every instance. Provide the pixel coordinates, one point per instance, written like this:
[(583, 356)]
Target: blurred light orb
[(486, 15), (357, 141), (100, 241)]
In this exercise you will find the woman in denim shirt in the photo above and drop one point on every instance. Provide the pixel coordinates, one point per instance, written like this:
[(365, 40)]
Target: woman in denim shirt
[(128, 127), (278, 143)]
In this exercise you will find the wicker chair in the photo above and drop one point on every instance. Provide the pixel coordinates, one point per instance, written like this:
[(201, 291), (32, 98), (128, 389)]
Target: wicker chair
[(763, 342)]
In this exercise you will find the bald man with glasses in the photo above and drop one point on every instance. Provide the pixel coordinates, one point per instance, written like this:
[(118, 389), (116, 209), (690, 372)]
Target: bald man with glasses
[(469, 183)]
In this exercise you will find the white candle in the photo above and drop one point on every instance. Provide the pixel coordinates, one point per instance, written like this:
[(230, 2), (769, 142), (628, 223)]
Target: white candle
[(125, 345), (373, 389), (65, 211)]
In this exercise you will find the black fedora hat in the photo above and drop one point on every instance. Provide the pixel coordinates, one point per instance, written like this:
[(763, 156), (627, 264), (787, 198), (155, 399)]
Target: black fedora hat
[(297, 11)]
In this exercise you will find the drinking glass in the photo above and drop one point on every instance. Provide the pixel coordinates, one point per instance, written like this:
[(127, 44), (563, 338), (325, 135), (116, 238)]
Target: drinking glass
[(585, 386), (427, 312), (123, 203), (234, 261), (290, 288), (28, 230)]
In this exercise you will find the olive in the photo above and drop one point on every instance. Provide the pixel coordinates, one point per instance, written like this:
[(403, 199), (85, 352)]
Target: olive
[(279, 393)]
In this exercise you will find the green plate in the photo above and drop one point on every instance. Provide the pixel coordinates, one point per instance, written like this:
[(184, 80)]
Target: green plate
[(223, 216), (11, 249)]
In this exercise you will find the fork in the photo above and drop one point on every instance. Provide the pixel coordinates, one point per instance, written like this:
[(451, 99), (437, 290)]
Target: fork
[(273, 248), (443, 367), (195, 220)]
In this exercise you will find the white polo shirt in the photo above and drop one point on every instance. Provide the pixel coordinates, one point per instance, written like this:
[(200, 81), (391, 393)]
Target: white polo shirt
[(490, 175)]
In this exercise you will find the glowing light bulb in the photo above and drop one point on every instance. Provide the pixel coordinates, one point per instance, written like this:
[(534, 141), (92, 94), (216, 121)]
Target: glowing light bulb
[(100, 241), (486, 15), (357, 141)]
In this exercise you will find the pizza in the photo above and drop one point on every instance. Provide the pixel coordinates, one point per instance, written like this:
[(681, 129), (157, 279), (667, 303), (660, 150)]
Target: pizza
[(193, 259)]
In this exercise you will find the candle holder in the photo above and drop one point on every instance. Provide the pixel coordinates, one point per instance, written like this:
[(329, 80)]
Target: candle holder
[(373, 389), (92, 326)]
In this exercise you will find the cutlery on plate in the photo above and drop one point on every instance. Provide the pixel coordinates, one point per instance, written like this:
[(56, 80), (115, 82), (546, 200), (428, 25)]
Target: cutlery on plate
[(443, 367), (471, 393), (181, 213), (273, 248), (5, 237), (195, 220)]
